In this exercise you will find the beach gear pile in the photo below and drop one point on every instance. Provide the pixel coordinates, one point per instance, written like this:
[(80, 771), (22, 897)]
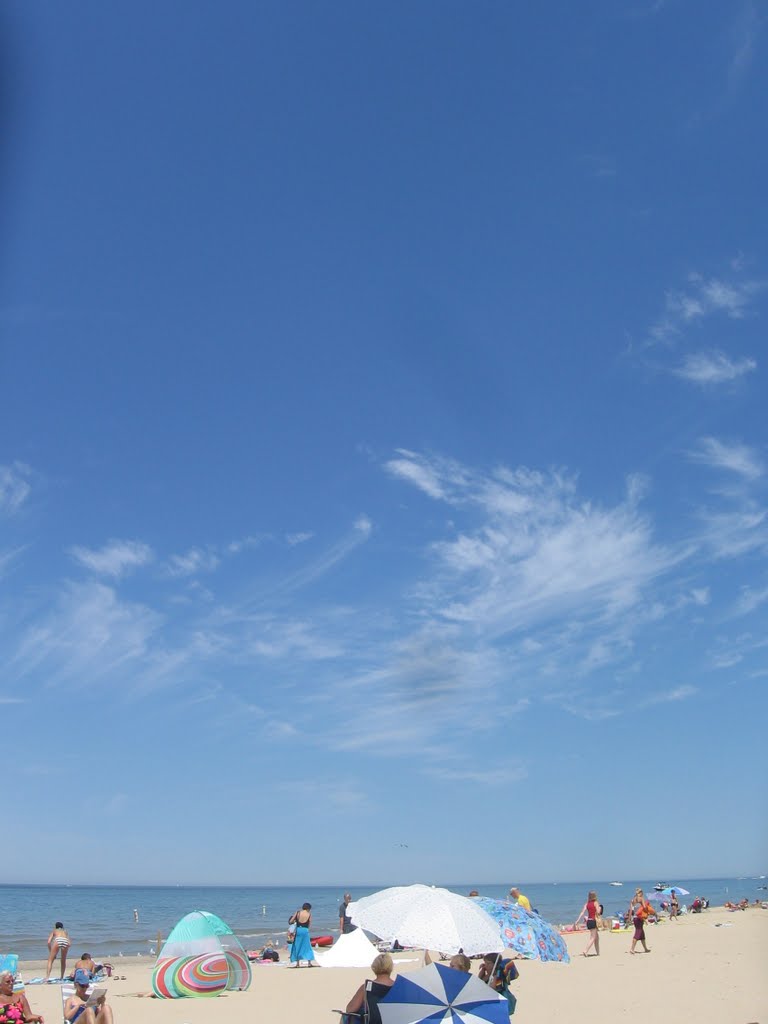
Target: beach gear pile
[(201, 957)]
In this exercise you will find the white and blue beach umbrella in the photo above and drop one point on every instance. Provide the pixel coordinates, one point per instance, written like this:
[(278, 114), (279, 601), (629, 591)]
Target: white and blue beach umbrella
[(440, 994)]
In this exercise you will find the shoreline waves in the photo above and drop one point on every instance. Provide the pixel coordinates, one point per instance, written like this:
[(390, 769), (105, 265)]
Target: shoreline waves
[(100, 918)]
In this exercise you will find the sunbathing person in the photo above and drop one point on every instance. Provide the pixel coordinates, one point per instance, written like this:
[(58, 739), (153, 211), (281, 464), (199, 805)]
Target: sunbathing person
[(86, 963), (370, 992), (76, 1008), (14, 1005)]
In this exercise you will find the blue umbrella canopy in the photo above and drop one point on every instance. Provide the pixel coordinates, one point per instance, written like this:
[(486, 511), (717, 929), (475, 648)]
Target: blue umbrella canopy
[(439, 993), (525, 932)]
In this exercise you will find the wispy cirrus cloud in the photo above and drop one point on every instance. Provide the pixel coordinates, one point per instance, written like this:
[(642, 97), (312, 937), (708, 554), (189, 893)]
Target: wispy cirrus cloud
[(359, 533), (417, 470), (14, 486), (336, 792), (672, 696), (702, 298), (116, 558), (192, 562), (733, 457), (745, 32), (750, 599), (713, 368), (544, 583), (89, 635), (292, 539)]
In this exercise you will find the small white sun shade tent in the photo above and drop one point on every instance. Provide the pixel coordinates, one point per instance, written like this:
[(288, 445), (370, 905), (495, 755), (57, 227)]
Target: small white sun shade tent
[(201, 957), (354, 949)]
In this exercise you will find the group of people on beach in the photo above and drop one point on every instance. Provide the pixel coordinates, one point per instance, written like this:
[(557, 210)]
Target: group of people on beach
[(15, 1008), (640, 911), (496, 971)]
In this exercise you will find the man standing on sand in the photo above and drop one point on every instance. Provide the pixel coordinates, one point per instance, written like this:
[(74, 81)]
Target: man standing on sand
[(345, 921), (522, 901)]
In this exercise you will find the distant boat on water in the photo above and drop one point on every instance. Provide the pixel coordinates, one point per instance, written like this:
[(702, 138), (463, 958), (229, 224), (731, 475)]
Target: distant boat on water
[(662, 885), (616, 883)]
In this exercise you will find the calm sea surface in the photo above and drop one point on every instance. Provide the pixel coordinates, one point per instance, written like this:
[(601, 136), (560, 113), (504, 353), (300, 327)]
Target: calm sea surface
[(100, 919)]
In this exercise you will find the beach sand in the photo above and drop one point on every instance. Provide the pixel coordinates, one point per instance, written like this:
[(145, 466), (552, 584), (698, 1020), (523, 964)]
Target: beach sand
[(695, 971)]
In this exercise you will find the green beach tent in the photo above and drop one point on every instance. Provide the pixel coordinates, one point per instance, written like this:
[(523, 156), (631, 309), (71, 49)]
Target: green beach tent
[(201, 957)]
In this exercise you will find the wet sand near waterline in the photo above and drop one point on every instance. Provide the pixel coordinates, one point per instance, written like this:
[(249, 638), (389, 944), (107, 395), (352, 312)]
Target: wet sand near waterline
[(708, 968)]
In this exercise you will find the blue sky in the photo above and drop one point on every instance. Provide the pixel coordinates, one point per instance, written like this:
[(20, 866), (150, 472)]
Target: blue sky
[(384, 450)]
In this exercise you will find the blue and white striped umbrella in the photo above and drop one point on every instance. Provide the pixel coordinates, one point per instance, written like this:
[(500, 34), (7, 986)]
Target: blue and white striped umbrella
[(440, 994)]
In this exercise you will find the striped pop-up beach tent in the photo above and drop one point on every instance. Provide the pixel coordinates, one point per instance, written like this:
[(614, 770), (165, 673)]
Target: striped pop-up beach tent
[(201, 957)]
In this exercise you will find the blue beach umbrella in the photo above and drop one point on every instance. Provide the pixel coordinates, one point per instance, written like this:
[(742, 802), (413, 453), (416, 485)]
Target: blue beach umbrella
[(525, 932), (440, 994), (676, 889)]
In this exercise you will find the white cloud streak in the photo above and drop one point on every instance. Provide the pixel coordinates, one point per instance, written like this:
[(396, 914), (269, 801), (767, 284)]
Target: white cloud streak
[(192, 562), (713, 367), (735, 458), (672, 696), (703, 298), (89, 636), (115, 559), (14, 487)]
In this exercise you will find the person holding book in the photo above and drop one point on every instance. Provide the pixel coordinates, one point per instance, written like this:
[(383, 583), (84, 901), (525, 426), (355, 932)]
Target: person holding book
[(87, 1009)]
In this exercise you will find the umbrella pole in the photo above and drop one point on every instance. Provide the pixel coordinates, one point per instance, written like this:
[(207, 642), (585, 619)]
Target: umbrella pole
[(492, 975)]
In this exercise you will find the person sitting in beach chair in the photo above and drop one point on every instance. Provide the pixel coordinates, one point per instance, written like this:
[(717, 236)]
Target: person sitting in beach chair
[(14, 1005), (79, 1004), (363, 1007)]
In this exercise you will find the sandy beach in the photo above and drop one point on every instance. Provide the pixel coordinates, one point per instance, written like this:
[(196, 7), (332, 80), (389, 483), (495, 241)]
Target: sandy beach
[(709, 968)]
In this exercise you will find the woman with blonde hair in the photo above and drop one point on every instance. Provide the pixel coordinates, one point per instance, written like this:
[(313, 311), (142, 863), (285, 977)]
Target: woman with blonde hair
[(590, 912), (366, 1000), (14, 1005), (639, 910)]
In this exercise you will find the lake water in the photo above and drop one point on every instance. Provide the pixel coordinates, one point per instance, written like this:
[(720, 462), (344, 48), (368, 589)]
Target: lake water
[(100, 919)]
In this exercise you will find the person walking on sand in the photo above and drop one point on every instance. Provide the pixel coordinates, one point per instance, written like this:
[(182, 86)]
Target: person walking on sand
[(590, 912), (58, 945), (639, 910)]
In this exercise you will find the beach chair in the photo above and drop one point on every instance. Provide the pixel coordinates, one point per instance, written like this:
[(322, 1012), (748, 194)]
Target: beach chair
[(369, 1014), (10, 962), (67, 990)]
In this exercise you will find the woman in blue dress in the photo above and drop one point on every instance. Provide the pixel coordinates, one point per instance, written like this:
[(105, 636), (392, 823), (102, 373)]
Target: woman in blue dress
[(301, 947)]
